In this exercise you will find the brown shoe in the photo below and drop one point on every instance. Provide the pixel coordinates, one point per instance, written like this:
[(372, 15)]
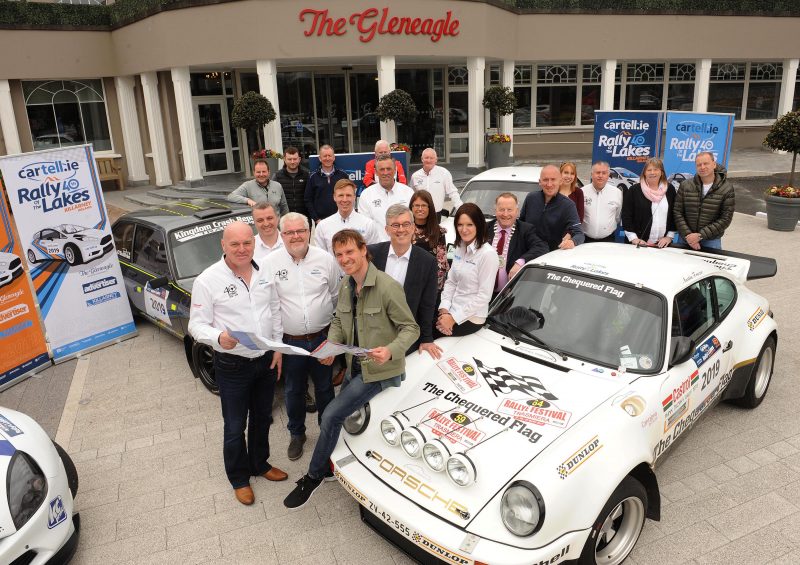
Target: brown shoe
[(275, 474), (339, 377), (245, 495)]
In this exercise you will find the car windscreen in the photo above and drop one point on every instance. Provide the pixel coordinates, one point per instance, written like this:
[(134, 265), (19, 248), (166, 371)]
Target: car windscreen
[(484, 192), (196, 247), (590, 318)]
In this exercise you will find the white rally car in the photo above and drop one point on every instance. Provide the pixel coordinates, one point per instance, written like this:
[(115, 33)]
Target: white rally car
[(70, 243), (10, 268), (535, 440), (37, 523)]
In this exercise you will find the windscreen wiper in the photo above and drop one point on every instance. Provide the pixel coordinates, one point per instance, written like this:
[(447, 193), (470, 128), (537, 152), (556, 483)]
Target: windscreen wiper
[(509, 329)]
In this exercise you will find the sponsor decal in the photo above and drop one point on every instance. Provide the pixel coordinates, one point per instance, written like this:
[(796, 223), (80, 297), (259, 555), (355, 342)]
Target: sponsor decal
[(57, 188), (581, 456), (504, 382), (437, 550), (692, 275), (57, 513), (6, 448), (645, 362), (96, 270), (205, 229), (600, 287), (9, 428), (11, 296), (756, 318), (591, 268), (13, 312), (705, 350), (721, 264), (124, 253), (649, 420), (453, 426), (461, 374), (677, 402), (230, 290), (282, 274), (536, 411), (105, 298), (99, 284)]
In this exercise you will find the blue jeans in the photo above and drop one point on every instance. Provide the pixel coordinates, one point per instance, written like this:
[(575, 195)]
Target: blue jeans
[(246, 390), (707, 243), (296, 369), (352, 396)]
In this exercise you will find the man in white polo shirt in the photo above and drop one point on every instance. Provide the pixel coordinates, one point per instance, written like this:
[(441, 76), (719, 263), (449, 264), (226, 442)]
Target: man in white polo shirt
[(436, 180), (376, 199), (266, 217), (344, 194), (602, 206), (307, 283)]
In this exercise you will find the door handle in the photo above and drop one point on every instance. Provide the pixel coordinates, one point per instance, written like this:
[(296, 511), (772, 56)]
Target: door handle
[(727, 346)]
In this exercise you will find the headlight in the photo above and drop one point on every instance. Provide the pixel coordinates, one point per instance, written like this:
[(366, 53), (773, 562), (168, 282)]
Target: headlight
[(522, 508), (412, 440), (391, 429), (88, 238), (358, 421), (27, 488), (435, 454), (461, 470)]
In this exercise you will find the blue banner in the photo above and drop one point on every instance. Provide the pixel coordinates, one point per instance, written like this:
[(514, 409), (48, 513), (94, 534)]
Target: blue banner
[(626, 139), (354, 165), (688, 134)]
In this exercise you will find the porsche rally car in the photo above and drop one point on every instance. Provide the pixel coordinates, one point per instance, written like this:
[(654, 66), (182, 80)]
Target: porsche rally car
[(37, 522), (10, 268), (70, 243), (535, 440)]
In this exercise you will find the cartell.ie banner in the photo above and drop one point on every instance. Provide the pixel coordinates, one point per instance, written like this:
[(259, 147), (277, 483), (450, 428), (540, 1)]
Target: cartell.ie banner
[(354, 164), (626, 139), (65, 233), (21, 335), (690, 133)]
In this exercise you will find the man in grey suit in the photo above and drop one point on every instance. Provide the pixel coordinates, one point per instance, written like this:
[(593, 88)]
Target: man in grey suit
[(261, 189)]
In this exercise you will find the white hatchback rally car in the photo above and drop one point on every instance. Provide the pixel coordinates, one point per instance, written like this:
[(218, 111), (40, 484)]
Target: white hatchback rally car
[(70, 243), (37, 523), (535, 440)]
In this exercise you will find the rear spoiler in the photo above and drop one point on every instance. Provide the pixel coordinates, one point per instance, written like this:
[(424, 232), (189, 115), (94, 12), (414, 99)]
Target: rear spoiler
[(757, 267)]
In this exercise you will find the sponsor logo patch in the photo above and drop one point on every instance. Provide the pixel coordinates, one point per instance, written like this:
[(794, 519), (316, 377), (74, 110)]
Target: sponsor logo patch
[(460, 373), (535, 411), (581, 456), (9, 428), (99, 284), (755, 319), (706, 350), (454, 427), (57, 513)]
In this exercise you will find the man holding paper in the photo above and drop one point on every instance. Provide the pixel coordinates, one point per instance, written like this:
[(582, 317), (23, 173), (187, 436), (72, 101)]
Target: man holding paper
[(234, 293), (371, 313)]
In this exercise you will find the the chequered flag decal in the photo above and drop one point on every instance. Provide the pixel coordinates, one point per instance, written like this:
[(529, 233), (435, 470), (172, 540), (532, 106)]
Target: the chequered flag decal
[(502, 381)]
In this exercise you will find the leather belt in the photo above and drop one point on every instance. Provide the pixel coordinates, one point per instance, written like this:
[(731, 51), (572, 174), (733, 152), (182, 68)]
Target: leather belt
[(307, 337)]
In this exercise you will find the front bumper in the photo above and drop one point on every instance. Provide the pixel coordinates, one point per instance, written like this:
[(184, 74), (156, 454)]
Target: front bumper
[(429, 539)]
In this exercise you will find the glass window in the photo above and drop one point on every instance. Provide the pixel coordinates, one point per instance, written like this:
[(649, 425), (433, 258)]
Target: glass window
[(522, 115), (296, 101), (555, 101), (62, 113), (796, 103), (693, 313), (726, 295), (207, 84), (457, 76), (590, 92), (764, 91), (149, 251), (726, 89), (644, 86), (422, 133), (123, 239)]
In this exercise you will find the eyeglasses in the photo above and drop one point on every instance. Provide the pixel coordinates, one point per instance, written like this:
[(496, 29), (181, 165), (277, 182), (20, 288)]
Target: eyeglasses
[(404, 225), (419, 205), (294, 232)]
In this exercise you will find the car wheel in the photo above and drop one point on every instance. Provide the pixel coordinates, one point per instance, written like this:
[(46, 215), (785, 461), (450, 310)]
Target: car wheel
[(761, 377), (31, 256), (203, 366), (69, 467), (617, 528), (73, 255)]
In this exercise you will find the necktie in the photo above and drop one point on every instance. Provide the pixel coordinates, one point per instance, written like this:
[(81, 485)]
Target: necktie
[(502, 275)]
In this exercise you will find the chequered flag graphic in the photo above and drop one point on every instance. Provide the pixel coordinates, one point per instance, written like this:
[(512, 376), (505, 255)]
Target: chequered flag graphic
[(501, 380)]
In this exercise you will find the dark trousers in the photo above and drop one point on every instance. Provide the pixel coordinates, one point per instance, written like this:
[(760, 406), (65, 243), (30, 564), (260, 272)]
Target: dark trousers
[(611, 238), (296, 369), (246, 390), (459, 330)]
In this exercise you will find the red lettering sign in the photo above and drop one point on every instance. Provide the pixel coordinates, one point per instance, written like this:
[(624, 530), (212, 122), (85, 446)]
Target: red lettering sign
[(372, 22)]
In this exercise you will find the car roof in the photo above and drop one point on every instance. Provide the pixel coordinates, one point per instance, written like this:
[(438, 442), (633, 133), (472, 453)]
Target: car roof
[(522, 173), (665, 270), (176, 215)]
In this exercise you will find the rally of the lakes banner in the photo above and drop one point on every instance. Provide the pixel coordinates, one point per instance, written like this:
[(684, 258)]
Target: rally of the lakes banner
[(625, 139), (354, 164), (21, 335), (688, 134), (65, 233)]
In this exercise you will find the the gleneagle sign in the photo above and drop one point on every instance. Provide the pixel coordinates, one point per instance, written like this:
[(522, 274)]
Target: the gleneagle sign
[(372, 22)]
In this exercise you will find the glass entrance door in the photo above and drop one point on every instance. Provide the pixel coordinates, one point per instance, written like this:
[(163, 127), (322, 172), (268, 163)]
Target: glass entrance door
[(365, 128), (330, 93), (213, 137)]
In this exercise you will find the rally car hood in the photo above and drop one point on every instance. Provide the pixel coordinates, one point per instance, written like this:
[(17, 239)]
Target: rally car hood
[(499, 403)]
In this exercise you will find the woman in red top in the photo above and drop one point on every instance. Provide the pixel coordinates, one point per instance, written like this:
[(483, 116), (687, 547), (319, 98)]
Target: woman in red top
[(569, 185)]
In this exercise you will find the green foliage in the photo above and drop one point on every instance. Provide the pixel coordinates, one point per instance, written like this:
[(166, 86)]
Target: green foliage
[(41, 14), (397, 106), (500, 100), (252, 112), (784, 135)]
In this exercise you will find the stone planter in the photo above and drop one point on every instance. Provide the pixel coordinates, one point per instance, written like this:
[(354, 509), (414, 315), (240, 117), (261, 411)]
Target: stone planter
[(782, 213), (498, 155)]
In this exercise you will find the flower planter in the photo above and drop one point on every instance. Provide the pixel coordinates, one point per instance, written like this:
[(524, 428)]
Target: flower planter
[(782, 213), (498, 154)]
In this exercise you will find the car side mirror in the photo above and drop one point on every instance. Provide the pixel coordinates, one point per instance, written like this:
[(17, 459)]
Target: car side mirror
[(159, 282), (681, 350)]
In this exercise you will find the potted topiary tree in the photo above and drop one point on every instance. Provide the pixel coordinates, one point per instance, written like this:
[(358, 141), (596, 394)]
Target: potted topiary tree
[(783, 202), (252, 112), (398, 107), (500, 101)]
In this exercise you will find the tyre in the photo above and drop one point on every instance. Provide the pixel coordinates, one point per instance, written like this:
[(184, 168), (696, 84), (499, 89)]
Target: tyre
[(617, 528), (31, 256), (203, 366), (73, 255), (69, 467), (761, 376)]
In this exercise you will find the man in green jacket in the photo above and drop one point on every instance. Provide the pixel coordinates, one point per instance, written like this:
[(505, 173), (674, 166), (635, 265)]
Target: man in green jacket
[(704, 204), (371, 313)]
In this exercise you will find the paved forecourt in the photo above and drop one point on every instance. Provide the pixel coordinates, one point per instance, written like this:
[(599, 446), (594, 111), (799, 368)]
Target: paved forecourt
[(147, 440)]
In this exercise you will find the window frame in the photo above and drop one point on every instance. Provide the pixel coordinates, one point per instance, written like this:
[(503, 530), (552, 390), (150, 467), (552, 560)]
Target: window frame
[(135, 252)]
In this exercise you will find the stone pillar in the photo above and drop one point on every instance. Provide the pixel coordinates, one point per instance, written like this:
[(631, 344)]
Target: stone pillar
[(8, 121), (155, 126), (788, 86), (475, 113), (607, 84), (137, 174), (268, 86), (186, 125), (385, 65), (701, 81), (507, 122)]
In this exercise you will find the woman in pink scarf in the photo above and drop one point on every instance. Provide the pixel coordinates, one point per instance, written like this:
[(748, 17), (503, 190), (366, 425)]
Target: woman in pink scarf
[(647, 208)]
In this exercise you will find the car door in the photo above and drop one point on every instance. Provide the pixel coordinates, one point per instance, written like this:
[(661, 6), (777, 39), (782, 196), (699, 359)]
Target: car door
[(123, 242), (150, 259)]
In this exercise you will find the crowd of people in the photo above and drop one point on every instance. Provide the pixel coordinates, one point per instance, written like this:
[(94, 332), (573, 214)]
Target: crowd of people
[(378, 277)]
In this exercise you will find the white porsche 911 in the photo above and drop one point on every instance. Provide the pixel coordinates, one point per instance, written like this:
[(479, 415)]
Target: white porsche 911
[(37, 523), (70, 243), (535, 440)]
